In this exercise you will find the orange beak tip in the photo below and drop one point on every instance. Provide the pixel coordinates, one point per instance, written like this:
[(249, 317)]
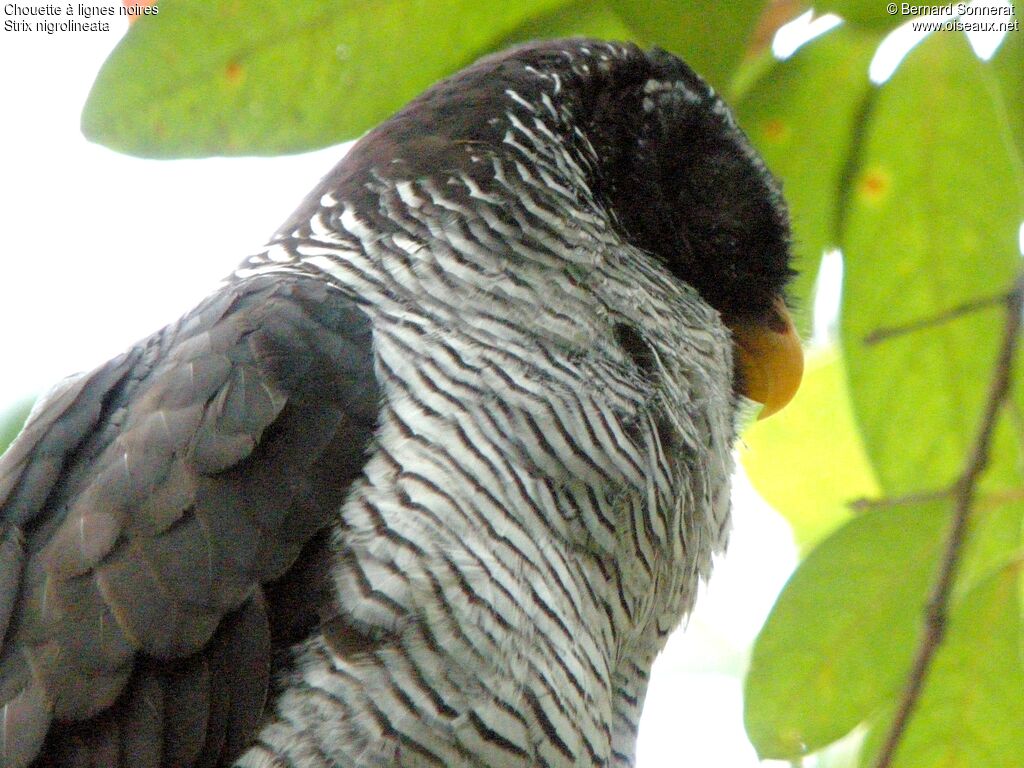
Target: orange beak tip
[(771, 361)]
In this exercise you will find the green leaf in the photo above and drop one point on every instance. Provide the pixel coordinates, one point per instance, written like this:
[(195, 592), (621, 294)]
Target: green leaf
[(11, 422), (864, 13), (803, 116), (581, 18), (971, 712), (995, 535), (710, 36), (234, 77), (808, 461), (1008, 64), (931, 223), (838, 641)]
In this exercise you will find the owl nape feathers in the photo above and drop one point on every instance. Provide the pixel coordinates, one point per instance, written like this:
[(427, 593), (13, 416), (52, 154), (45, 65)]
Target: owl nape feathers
[(430, 479)]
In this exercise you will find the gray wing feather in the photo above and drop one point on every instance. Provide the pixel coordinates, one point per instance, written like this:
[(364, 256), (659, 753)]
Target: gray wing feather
[(142, 509)]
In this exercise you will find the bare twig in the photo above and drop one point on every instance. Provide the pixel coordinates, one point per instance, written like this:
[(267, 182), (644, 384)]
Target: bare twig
[(963, 494), (776, 14), (888, 332), (993, 499), (999, 498), (864, 504), (1017, 419)]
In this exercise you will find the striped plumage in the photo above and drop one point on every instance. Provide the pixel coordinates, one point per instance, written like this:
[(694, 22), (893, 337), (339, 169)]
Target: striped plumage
[(481, 379)]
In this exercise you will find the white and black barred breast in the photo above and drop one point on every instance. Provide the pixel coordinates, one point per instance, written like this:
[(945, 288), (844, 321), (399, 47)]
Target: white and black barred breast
[(550, 476)]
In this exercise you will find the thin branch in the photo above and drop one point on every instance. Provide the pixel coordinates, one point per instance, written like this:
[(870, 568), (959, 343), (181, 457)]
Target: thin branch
[(964, 492), (974, 305), (1017, 419), (865, 503), (989, 500), (775, 15), (998, 498)]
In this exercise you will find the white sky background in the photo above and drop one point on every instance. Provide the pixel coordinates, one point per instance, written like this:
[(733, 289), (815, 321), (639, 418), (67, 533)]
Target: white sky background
[(100, 249)]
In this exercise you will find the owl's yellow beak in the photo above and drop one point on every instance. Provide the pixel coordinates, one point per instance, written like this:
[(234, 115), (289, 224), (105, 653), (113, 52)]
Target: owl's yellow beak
[(771, 360)]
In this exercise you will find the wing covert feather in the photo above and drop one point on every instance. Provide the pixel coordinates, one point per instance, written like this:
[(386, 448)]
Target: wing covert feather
[(146, 503)]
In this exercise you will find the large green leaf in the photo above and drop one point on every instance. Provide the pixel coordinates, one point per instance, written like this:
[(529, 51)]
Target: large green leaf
[(842, 633), (1008, 63), (711, 36), (233, 77), (808, 461), (580, 17), (971, 711), (803, 115), (931, 223)]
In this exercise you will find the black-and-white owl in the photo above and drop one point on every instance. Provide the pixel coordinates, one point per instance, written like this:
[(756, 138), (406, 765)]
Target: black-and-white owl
[(430, 479)]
